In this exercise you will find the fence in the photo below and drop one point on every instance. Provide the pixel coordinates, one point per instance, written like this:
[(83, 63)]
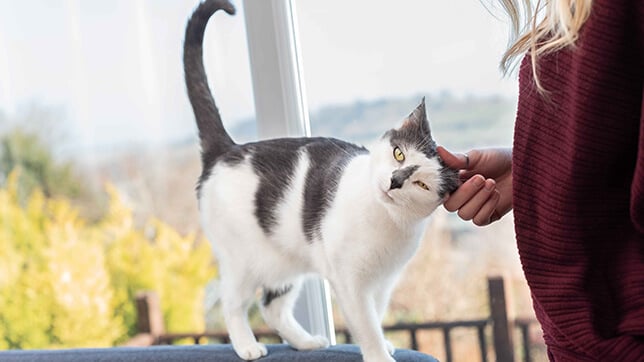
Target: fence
[(152, 331)]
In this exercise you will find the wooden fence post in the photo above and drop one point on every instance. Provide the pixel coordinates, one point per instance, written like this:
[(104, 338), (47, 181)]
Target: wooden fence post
[(149, 316), (500, 325)]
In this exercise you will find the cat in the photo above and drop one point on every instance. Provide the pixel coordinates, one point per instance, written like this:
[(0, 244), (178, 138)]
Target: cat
[(279, 210)]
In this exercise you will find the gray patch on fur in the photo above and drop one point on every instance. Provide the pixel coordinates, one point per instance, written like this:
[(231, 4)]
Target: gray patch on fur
[(271, 294), (450, 180), (328, 159), (274, 161), (232, 157), (398, 177), (415, 133)]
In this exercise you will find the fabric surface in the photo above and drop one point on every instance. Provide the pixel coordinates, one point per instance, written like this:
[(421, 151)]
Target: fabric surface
[(578, 174), (219, 353)]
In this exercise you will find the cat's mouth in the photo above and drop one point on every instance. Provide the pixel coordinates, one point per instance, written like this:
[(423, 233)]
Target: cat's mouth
[(387, 197)]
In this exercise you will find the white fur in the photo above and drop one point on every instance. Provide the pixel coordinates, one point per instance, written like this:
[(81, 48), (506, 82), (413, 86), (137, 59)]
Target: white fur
[(367, 235)]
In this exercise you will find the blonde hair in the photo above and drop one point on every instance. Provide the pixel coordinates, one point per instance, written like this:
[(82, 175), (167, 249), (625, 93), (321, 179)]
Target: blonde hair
[(542, 28)]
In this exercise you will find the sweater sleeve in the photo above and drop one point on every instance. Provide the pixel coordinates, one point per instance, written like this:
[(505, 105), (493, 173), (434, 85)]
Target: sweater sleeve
[(637, 188)]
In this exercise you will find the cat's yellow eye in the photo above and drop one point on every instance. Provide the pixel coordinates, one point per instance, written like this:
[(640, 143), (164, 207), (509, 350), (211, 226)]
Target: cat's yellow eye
[(399, 155), (421, 185)]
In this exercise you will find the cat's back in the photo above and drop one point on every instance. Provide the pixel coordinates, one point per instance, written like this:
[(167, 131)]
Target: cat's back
[(286, 184), (276, 159)]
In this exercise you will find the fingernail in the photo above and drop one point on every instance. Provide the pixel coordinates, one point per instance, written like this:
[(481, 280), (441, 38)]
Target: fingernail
[(489, 186), (479, 181)]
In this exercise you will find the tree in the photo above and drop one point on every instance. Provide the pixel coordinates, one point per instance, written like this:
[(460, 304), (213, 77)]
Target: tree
[(27, 151), (66, 282)]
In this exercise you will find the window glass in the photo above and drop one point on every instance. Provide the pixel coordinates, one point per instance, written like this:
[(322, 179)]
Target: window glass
[(377, 60), (367, 64), (95, 116), (92, 93)]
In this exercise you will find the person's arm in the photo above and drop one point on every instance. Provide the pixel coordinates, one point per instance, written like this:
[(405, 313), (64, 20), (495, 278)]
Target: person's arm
[(637, 187), (486, 193)]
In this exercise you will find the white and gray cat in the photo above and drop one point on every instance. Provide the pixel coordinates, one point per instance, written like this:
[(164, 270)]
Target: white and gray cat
[(276, 211)]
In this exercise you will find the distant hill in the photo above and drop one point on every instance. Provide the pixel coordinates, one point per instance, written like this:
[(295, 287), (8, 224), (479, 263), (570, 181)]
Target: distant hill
[(459, 123)]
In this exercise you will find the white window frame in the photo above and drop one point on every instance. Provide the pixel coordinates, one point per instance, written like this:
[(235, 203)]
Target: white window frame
[(281, 110)]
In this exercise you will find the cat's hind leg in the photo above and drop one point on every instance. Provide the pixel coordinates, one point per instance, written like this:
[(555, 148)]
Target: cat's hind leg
[(237, 297), (277, 310)]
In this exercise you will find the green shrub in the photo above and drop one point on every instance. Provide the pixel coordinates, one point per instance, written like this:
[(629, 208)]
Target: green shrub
[(66, 282)]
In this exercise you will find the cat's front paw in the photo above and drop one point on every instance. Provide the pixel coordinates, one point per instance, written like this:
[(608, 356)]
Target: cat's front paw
[(251, 351), (315, 342)]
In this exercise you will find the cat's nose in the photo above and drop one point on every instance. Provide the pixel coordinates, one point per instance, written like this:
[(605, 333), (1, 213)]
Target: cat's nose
[(395, 183)]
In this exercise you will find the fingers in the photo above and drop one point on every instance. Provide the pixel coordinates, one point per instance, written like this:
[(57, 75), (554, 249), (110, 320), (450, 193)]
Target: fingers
[(486, 214), (474, 205), (475, 200), (453, 160), (464, 193)]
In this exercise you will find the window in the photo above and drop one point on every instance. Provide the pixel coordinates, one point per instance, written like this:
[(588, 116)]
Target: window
[(102, 82), (363, 65)]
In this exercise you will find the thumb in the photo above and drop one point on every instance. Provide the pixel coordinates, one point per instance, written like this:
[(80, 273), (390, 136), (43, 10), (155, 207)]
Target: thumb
[(457, 161)]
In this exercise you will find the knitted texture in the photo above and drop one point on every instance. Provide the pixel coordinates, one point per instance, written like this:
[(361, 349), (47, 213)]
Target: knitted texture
[(578, 173)]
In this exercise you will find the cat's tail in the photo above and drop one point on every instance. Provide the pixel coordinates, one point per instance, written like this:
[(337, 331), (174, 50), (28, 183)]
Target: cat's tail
[(212, 134)]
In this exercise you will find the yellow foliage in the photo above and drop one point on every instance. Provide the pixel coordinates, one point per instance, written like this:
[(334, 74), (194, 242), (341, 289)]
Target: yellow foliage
[(67, 283)]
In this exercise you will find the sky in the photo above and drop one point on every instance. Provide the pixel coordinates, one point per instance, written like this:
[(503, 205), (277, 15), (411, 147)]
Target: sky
[(112, 72)]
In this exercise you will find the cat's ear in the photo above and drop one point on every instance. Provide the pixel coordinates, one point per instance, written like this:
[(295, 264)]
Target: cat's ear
[(417, 120)]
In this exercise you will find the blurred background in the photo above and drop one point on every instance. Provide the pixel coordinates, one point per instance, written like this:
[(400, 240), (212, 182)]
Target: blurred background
[(99, 155)]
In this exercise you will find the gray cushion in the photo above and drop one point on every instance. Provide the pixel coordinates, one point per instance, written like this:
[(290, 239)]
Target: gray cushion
[(212, 352)]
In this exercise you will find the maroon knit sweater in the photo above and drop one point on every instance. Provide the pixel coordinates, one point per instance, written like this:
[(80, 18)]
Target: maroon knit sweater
[(578, 173)]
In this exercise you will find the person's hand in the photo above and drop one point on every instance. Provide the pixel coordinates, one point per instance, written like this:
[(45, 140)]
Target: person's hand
[(486, 193)]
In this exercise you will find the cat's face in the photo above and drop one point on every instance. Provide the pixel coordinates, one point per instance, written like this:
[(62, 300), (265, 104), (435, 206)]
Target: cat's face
[(407, 172)]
